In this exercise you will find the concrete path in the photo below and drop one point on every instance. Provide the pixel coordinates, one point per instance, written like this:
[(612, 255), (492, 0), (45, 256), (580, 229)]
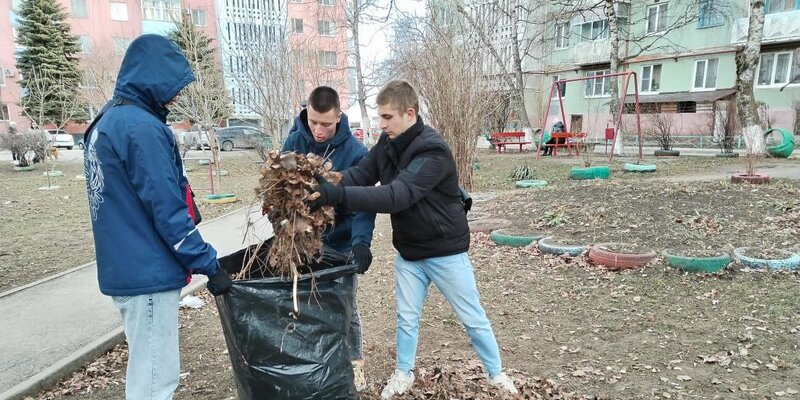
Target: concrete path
[(52, 326)]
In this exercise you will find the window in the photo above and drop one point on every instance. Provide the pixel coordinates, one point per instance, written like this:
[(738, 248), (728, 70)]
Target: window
[(776, 6), (623, 12), (161, 10), (562, 87), (199, 17), (327, 58), (594, 30), (774, 68), (78, 9), (4, 115), (599, 86), (705, 74), (657, 18), (687, 107), (562, 35), (297, 25), (651, 78), (327, 28), (119, 12), (327, 2), (710, 14), (85, 42), (121, 45)]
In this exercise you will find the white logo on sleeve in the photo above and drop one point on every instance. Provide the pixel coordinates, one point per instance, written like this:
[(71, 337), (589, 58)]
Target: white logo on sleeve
[(94, 177)]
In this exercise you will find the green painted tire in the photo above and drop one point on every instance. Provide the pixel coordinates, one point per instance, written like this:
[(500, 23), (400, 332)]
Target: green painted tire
[(220, 198), (531, 183), (697, 264), (547, 246), (785, 149), (24, 169), (602, 172), (631, 167), (502, 238)]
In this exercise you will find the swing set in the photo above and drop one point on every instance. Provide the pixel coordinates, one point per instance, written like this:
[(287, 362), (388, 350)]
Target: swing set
[(568, 136)]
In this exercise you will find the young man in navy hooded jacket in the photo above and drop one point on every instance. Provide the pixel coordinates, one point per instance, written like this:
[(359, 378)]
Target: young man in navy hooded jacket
[(146, 243), (322, 129)]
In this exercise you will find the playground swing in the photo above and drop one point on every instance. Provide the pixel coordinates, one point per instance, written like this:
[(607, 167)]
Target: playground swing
[(554, 90)]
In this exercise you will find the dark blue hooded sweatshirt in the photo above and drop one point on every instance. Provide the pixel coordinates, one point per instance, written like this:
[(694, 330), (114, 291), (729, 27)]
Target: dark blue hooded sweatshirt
[(345, 151), (144, 239)]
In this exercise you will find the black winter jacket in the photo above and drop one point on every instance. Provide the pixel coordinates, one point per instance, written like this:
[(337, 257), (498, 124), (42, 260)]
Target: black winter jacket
[(419, 188)]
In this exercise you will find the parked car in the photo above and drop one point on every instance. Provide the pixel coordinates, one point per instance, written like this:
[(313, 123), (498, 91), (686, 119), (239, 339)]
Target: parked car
[(60, 138), (244, 137), (194, 139)]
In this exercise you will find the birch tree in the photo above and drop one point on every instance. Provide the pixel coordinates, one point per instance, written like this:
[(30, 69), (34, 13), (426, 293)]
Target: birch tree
[(746, 66)]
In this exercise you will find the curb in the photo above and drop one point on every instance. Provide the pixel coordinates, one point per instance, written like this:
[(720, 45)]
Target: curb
[(73, 362)]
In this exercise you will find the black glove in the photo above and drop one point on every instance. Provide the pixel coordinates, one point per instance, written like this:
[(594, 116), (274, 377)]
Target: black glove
[(466, 199), (329, 194), (220, 283), (362, 257)]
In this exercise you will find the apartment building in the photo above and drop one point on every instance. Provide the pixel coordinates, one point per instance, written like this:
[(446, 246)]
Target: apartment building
[(684, 55), (104, 29)]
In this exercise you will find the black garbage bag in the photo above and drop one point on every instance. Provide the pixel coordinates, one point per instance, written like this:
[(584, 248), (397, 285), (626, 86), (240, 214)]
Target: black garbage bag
[(279, 355)]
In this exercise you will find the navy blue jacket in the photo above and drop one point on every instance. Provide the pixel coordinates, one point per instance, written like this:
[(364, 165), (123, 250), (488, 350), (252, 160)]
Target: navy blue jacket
[(144, 239), (345, 151)]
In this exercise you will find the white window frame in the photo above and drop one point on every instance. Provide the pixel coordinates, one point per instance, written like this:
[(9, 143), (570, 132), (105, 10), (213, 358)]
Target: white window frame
[(326, 28), (119, 11), (562, 35), (704, 87), (605, 84), (768, 7), (161, 10), (85, 42), (773, 69), (7, 112), (660, 24), (196, 17), (324, 60), (651, 73), (72, 8), (563, 85), (594, 33), (295, 25)]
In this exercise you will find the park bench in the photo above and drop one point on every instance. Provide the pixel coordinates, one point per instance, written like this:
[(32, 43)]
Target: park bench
[(568, 140), (502, 139)]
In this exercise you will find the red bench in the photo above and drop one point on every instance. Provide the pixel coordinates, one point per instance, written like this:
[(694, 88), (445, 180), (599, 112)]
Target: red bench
[(568, 140), (502, 139)]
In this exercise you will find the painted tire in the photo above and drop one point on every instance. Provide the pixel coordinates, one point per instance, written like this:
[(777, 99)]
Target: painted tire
[(618, 261), (531, 183), (548, 246), (697, 264), (590, 173), (24, 169), (202, 162), (220, 198), (502, 238), (666, 153), (756, 179), (631, 167), (785, 149), (727, 155), (792, 260), (486, 225)]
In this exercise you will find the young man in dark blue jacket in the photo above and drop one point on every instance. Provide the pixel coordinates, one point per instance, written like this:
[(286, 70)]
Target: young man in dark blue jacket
[(322, 129), (145, 241), (419, 188)]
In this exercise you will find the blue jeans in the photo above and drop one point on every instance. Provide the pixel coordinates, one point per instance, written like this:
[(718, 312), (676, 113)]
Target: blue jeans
[(151, 329), (455, 279)]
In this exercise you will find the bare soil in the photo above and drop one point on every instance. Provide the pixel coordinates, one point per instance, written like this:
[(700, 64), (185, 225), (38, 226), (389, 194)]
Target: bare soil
[(648, 333)]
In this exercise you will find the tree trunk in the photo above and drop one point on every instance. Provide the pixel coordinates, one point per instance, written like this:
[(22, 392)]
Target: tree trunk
[(746, 65), (614, 58), (361, 91), (520, 92)]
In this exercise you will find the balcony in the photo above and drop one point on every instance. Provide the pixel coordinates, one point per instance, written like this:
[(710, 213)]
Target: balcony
[(591, 52), (778, 28)]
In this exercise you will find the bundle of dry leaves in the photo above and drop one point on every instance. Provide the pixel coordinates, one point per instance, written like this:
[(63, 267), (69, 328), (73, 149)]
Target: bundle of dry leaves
[(286, 185)]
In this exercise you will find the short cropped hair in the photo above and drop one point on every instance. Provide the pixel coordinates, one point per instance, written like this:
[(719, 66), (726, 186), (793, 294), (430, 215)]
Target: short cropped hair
[(323, 99), (400, 96)]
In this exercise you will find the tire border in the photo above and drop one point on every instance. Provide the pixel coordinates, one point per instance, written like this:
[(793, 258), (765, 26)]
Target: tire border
[(697, 264), (530, 183), (631, 167), (599, 172), (557, 249), (791, 263), (500, 237), (619, 261)]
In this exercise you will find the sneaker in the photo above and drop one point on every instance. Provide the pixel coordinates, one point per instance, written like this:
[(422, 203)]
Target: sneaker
[(399, 383), (358, 374), (503, 382)]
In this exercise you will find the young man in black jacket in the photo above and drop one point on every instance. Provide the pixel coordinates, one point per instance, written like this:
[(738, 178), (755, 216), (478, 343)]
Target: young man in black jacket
[(419, 188)]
